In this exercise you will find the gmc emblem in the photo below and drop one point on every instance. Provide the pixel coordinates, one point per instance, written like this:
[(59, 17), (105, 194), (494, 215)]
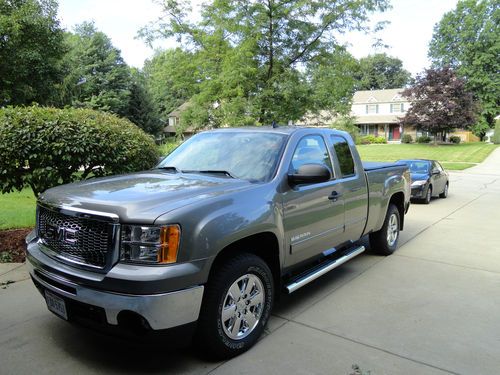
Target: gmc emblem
[(66, 235)]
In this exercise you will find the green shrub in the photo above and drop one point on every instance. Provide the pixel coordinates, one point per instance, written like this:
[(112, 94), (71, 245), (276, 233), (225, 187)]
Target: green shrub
[(369, 139), (496, 135), (407, 138), (455, 139), (170, 145), (423, 139), (43, 147)]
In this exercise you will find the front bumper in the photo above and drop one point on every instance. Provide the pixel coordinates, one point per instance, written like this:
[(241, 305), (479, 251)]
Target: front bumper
[(418, 192), (160, 311)]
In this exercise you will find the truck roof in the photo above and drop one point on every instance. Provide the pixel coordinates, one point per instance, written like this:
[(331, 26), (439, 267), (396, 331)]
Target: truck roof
[(288, 129)]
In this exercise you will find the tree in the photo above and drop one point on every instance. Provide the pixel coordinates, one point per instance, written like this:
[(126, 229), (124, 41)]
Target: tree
[(380, 71), (171, 77), (31, 51), (468, 39), (97, 77), (333, 82), (252, 55), (440, 102), (141, 110)]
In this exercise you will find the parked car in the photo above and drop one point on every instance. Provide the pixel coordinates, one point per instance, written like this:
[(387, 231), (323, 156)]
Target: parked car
[(203, 242), (428, 179)]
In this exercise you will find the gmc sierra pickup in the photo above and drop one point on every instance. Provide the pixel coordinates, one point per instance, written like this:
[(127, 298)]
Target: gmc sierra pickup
[(202, 244)]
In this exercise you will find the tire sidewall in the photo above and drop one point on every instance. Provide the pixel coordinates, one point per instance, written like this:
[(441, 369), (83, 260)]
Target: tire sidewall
[(264, 277), (392, 211)]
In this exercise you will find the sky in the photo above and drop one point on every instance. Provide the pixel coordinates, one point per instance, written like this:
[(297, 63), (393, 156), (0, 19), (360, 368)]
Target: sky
[(408, 34)]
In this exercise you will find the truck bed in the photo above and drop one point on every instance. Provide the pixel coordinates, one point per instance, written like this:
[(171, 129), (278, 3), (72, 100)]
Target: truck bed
[(373, 165)]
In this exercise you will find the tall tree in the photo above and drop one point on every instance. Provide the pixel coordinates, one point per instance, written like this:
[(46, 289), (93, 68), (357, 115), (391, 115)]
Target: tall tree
[(380, 71), (97, 77), (468, 39), (171, 77), (440, 102), (140, 109), (31, 50), (252, 54)]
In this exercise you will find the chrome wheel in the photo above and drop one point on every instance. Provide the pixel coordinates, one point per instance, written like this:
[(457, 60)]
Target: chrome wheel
[(445, 192), (392, 230), (242, 307)]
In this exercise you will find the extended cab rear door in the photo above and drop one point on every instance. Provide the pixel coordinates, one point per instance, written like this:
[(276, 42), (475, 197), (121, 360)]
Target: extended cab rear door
[(313, 214), (351, 175)]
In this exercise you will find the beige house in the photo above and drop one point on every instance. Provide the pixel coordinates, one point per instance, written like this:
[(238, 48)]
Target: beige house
[(174, 118), (377, 112)]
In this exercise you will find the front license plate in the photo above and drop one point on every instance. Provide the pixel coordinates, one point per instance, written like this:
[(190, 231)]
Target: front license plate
[(56, 304)]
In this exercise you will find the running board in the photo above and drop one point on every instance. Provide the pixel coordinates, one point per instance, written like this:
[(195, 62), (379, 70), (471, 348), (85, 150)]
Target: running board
[(318, 272)]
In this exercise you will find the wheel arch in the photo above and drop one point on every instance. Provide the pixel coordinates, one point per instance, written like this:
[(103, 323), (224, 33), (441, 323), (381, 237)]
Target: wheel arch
[(398, 199)]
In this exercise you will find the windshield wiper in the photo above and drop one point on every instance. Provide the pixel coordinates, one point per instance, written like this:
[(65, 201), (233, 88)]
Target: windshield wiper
[(170, 168), (214, 171)]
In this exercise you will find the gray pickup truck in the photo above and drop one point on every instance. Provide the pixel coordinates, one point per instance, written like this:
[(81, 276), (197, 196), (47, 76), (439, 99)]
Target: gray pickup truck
[(203, 244)]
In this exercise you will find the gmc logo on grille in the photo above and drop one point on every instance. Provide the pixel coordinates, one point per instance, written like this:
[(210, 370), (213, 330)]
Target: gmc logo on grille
[(67, 235)]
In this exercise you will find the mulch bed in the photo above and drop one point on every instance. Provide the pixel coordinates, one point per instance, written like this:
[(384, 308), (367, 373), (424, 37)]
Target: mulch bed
[(12, 242)]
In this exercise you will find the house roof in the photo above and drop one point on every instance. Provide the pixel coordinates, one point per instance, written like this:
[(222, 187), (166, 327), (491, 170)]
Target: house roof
[(378, 119), (177, 112), (378, 96)]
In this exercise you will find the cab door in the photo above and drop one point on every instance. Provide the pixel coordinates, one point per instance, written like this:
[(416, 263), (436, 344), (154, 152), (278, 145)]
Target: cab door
[(313, 214)]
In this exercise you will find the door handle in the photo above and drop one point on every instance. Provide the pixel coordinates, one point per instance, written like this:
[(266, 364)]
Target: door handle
[(334, 196)]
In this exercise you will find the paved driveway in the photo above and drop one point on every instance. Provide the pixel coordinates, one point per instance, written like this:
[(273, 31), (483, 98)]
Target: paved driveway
[(431, 308)]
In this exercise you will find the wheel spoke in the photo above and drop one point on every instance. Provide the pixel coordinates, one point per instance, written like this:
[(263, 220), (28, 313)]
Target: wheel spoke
[(256, 299), (236, 326), (235, 292), (228, 312), (250, 319), (248, 287)]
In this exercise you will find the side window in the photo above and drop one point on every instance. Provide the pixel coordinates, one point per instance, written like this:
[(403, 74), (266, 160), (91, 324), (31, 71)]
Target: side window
[(439, 167), (310, 150), (344, 155)]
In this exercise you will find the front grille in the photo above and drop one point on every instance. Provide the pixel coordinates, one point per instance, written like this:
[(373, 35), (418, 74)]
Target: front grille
[(80, 240)]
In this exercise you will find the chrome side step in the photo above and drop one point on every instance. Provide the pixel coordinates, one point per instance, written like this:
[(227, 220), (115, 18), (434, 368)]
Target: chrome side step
[(328, 266)]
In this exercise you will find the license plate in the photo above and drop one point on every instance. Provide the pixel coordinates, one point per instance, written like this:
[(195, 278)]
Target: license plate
[(56, 305)]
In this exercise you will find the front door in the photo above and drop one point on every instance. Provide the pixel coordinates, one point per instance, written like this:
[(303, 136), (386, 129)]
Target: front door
[(396, 133), (312, 219)]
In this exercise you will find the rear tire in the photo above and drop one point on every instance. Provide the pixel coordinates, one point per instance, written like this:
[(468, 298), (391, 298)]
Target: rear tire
[(444, 194), (236, 307), (385, 241)]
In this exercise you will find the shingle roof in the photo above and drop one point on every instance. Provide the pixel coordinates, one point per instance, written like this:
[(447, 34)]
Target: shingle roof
[(378, 96), (378, 119)]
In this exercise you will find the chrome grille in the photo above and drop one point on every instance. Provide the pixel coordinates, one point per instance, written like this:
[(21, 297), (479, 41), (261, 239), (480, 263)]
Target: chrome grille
[(79, 240)]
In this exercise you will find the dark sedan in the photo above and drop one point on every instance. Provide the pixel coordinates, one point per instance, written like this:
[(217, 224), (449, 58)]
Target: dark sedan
[(428, 179)]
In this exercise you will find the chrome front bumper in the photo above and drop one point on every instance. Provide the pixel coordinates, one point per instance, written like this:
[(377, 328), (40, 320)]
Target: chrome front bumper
[(162, 311)]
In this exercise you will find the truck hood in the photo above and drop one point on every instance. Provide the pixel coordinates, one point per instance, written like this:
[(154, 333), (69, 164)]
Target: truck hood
[(141, 197)]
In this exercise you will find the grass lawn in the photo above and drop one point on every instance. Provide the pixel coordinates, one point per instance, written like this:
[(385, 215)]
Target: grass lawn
[(453, 157), (17, 210)]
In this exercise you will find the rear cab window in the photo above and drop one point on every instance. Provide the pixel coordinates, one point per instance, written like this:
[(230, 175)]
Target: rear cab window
[(344, 156)]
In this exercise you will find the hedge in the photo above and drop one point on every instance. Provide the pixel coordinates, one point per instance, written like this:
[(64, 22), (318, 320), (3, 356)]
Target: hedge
[(43, 147)]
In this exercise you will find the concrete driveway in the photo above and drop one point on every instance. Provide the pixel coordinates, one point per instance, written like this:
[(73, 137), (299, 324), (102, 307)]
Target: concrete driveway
[(431, 308)]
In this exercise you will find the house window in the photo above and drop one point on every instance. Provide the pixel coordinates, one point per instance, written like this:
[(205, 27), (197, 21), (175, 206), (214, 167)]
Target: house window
[(397, 107), (368, 129), (372, 108)]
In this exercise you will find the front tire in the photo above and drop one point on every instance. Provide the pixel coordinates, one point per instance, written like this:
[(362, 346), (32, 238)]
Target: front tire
[(385, 241), (236, 306), (428, 196)]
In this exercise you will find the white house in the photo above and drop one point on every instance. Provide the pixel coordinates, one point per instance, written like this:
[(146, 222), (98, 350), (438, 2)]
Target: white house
[(377, 112)]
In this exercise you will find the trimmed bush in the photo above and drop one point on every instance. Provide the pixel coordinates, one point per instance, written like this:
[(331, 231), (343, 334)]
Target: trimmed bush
[(43, 147), (496, 135), (407, 138), (423, 139), (455, 139), (369, 139)]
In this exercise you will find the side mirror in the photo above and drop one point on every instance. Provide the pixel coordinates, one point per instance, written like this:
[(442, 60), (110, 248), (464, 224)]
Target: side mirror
[(435, 172), (310, 174)]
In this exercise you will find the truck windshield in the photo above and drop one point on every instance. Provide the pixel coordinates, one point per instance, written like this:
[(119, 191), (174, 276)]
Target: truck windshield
[(244, 155)]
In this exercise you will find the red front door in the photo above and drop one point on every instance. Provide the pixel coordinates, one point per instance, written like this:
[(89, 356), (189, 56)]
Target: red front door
[(396, 133)]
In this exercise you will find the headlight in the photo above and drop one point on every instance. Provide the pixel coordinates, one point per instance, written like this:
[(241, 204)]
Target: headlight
[(150, 244), (418, 183)]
